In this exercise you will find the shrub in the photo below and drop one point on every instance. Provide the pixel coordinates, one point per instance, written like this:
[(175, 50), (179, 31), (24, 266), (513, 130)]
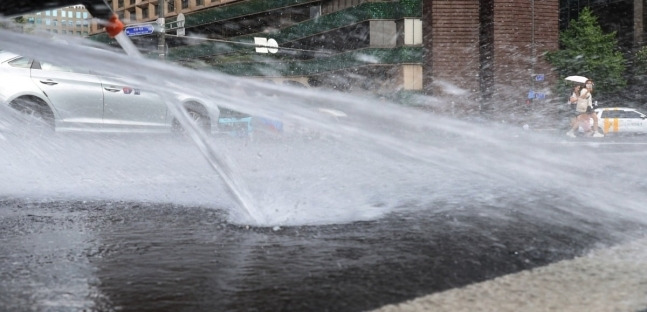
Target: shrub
[(587, 51)]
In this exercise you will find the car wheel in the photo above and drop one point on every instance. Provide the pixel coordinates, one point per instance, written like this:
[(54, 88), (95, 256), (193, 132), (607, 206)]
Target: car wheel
[(198, 114), (41, 115)]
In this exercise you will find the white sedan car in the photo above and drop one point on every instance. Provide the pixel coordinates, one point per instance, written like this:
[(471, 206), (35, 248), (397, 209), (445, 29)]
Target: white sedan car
[(76, 100), (621, 120)]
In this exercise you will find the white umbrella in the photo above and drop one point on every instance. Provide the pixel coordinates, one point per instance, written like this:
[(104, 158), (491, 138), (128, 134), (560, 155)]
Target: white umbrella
[(578, 79)]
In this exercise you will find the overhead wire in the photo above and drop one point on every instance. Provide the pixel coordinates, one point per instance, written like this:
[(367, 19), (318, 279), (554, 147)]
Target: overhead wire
[(252, 44)]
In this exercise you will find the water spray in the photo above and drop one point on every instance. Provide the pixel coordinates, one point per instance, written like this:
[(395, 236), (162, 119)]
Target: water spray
[(115, 29), (219, 163)]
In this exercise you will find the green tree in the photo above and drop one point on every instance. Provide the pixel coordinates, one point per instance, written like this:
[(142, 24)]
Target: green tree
[(640, 62), (587, 51), (17, 21)]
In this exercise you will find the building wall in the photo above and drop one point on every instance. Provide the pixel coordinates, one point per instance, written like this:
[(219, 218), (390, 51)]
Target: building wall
[(522, 33), (451, 41), (489, 52), (476, 51), (134, 11), (74, 21)]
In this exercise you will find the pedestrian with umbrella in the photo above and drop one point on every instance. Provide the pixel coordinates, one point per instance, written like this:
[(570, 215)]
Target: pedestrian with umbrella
[(583, 100)]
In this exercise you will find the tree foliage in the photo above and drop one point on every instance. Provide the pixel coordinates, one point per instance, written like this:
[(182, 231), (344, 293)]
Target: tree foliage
[(587, 51), (11, 24), (640, 61)]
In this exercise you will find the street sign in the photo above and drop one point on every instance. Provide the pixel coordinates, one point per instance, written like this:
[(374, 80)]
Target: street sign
[(539, 77), (180, 24), (139, 30), (265, 45), (536, 95)]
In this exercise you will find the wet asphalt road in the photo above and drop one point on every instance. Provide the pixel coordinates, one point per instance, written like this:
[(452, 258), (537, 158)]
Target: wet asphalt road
[(123, 256), (61, 254)]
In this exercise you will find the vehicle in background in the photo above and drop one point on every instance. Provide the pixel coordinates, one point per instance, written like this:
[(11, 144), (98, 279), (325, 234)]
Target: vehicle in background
[(76, 99), (234, 123), (237, 124), (621, 120)]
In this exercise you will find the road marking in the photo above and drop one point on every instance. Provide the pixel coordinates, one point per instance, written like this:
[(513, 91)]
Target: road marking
[(599, 143), (613, 279)]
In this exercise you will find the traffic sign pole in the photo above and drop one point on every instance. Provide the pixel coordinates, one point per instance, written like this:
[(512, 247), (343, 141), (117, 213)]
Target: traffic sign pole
[(161, 40)]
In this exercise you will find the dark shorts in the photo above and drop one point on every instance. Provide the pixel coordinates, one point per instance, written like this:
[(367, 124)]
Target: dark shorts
[(589, 109), (573, 112)]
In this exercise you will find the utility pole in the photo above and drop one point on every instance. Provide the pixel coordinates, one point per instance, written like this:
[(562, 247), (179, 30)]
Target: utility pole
[(161, 39)]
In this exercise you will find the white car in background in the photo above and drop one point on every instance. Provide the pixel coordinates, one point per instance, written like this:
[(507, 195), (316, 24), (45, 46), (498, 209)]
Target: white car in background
[(621, 120), (67, 99)]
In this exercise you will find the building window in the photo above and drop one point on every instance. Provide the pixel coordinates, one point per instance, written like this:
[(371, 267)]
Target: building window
[(54, 13), (185, 4), (132, 2), (315, 11), (145, 12), (48, 13), (199, 2), (412, 31), (70, 14), (383, 33), (412, 77), (78, 14), (85, 14), (120, 3), (63, 13), (170, 6)]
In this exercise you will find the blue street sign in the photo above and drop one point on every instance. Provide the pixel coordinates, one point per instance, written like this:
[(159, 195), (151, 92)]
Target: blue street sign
[(139, 30), (539, 77)]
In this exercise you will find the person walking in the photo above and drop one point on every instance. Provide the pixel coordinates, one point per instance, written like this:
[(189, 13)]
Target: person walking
[(572, 102), (590, 110), (584, 111), (581, 105)]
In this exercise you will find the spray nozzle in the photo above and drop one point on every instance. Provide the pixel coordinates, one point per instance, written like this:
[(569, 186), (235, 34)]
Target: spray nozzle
[(115, 26)]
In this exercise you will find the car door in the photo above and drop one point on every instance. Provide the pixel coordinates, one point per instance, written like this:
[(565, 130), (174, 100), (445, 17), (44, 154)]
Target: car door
[(75, 94), (632, 121), (642, 128), (132, 108), (609, 120)]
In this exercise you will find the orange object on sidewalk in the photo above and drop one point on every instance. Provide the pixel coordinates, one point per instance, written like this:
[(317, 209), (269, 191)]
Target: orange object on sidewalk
[(115, 26)]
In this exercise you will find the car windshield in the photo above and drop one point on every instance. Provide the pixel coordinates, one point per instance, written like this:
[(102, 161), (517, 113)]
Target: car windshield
[(322, 155)]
